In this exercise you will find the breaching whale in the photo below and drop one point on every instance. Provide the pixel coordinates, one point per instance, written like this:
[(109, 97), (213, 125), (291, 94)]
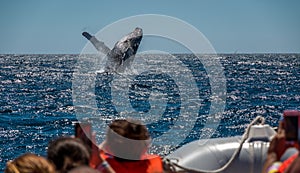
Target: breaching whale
[(122, 54)]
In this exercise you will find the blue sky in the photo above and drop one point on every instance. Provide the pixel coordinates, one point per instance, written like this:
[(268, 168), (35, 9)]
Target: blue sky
[(257, 26)]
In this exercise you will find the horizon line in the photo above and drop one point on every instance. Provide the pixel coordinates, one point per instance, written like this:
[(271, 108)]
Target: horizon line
[(225, 53)]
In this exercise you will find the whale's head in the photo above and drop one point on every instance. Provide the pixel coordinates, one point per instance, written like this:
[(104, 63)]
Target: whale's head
[(123, 53), (131, 41)]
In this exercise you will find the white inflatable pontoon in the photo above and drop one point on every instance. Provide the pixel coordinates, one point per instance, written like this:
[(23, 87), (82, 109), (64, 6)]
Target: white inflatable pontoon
[(240, 154)]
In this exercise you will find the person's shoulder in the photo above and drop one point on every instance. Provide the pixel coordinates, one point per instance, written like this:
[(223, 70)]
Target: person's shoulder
[(151, 156), (85, 169), (285, 164)]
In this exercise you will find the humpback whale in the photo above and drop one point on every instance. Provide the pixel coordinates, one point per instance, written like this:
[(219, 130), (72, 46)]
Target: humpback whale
[(123, 52)]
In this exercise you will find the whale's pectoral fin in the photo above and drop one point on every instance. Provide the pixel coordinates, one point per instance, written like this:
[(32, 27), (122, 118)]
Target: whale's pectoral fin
[(87, 35), (99, 45)]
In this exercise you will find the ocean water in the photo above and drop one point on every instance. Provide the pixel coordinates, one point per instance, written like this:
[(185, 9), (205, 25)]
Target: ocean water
[(38, 104)]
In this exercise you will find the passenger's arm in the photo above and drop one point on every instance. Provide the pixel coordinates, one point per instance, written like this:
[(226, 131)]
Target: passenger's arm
[(97, 161), (276, 149)]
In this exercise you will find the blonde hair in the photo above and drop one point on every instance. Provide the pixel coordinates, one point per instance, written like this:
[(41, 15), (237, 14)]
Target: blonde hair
[(29, 163)]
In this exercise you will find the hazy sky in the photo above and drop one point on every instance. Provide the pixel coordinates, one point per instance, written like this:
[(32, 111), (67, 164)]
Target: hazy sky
[(55, 26)]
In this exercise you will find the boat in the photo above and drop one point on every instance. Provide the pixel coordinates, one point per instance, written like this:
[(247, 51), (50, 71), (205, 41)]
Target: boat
[(237, 154)]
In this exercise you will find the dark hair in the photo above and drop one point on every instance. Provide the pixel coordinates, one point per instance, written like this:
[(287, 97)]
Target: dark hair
[(67, 153), (84, 169), (127, 139), (131, 129)]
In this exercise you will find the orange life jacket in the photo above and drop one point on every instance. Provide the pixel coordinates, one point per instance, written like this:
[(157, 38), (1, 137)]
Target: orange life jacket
[(287, 163), (149, 164)]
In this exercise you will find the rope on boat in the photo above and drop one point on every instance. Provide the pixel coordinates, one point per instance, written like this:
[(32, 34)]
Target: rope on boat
[(171, 166)]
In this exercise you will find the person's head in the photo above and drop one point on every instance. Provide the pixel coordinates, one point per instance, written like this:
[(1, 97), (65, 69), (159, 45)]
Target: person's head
[(127, 139), (67, 153), (29, 163), (83, 169)]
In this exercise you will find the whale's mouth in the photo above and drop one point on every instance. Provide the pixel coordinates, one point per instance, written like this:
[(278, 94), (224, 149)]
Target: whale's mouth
[(136, 34), (134, 38), (138, 31)]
